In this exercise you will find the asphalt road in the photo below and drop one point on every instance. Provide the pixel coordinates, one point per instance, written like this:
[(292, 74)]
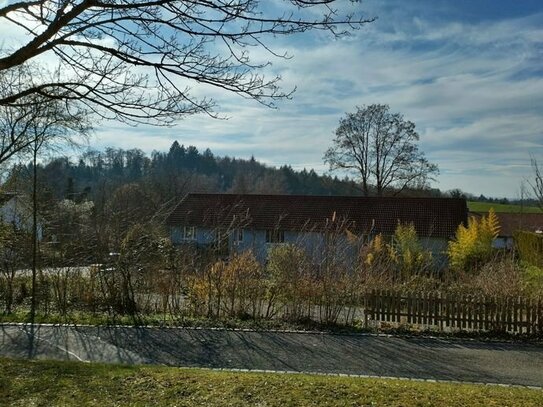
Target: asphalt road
[(426, 358)]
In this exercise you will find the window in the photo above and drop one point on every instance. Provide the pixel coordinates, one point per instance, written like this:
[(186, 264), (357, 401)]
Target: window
[(219, 235), (238, 235), (275, 236), (221, 242), (189, 233)]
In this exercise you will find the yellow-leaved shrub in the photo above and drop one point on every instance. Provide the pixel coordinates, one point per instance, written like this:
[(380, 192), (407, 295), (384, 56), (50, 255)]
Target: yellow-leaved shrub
[(409, 255), (472, 245)]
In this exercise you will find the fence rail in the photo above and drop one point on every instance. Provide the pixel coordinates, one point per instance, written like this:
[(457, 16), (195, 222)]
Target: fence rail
[(456, 312)]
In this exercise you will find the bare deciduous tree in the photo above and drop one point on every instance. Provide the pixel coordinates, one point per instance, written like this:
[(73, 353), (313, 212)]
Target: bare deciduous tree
[(537, 182), (39, 122), (381, 148), (136, 60)]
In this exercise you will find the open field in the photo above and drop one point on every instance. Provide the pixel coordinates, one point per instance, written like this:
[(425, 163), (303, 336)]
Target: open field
[(503, 208), (47, 383)]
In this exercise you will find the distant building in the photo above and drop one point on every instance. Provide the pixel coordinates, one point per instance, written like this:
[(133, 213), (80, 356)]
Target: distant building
[(235, 223), (16, 210), (512, 222)]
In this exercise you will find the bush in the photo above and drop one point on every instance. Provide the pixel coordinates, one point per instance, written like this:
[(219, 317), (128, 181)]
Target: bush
[(289, 280), (472, 246), (533, 280), (407, 252), (530, 247), (233, 288), (397, 261)]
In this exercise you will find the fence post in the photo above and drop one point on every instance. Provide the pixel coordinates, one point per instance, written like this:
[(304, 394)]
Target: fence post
[(439, 309), (367, 306), (478, 312), (459, 308), (469, 313), (535, 312), (447, 310), (529, 316), (400, 306), (522, 306), (515, 312), (488, 312), (539, 316)]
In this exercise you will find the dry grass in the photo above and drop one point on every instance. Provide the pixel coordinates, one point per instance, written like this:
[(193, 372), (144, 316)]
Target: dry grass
[(46, 383)]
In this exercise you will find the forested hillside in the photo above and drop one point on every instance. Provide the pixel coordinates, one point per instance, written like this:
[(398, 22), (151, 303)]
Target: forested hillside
[(166, 175), (98, 196)]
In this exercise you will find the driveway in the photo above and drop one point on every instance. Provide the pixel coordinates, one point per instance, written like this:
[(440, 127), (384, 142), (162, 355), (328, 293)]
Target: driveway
[(425, 358)]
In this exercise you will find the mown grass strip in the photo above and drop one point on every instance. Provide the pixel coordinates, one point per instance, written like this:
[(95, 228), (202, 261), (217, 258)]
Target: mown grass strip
[(48, 383)]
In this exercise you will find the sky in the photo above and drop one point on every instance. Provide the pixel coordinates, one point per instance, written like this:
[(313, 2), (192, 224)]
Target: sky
[(469, 74)]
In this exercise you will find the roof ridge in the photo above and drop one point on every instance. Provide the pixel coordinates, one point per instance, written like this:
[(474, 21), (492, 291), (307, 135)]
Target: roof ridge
[(229, 194)]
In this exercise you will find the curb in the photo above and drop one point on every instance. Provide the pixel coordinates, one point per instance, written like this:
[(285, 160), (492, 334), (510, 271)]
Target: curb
[(361, 376)]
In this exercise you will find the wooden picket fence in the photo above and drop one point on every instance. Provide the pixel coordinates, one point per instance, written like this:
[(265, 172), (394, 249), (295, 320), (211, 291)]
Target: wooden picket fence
[(447, 311)]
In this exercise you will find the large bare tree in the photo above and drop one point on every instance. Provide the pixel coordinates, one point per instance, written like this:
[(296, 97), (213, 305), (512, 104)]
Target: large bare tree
[(381, 148), (135, 60)]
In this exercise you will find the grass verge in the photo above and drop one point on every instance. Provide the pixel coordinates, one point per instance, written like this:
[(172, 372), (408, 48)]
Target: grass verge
[(48, 383)]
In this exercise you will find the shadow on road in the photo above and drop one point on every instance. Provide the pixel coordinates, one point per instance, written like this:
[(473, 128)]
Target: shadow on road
[(352, 354)]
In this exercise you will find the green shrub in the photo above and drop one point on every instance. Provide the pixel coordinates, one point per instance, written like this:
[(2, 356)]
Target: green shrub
[(530, 247), (408, 253)]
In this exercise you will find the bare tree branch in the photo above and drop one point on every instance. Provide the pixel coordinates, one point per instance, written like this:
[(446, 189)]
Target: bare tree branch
[(537, 182), (36, 119), (134, 60)]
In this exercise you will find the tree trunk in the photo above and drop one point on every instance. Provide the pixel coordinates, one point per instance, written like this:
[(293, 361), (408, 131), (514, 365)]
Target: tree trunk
[(34, 234)]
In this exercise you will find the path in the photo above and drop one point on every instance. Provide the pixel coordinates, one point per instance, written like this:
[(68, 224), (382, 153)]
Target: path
[(427, 358)]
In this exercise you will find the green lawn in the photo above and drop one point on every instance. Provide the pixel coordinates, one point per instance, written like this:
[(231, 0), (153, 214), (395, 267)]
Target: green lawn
[(47, 383), (485, 206)]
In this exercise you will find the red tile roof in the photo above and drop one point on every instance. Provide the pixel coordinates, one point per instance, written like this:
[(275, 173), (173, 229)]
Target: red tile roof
[(511, 222), (437, 217)]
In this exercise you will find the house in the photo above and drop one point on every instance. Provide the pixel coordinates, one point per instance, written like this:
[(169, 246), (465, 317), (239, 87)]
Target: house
[(16, 210), (512, 222), (235, 223)]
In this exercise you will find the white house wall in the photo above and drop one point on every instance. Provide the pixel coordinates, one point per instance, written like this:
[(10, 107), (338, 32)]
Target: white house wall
[(438, 247), (313, 243), (254, 240), (13, 213)]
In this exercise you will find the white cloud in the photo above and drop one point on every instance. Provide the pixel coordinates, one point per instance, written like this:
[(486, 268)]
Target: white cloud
[(474, 89)]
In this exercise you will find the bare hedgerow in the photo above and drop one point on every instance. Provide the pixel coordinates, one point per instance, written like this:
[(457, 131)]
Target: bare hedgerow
[(233, 288), (14, 250), (502, 276), (245, 286), (335, 278), (374, 264), (289, 281), (396, 261)]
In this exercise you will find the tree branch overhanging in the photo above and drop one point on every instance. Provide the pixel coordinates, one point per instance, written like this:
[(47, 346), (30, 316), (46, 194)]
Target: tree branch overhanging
[(136, 61)]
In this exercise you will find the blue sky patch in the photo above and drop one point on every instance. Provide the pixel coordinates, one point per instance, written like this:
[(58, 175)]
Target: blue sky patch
[(468, 73)]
